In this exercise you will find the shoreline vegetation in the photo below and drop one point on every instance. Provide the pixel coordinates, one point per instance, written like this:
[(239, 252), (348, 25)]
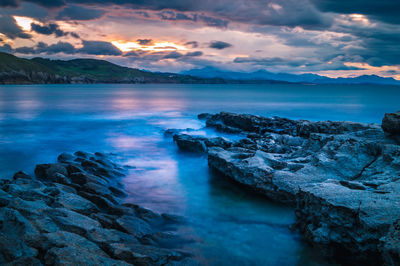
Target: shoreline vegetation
[(341, 177), (15, 70)]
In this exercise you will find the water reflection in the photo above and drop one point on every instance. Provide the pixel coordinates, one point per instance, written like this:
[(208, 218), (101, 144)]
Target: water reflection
[(228, 224)]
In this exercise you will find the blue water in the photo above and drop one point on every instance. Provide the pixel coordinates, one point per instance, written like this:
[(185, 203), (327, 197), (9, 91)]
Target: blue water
[(227, 224)]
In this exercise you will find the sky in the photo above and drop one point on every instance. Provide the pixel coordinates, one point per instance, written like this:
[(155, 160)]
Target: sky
[(327, 37)]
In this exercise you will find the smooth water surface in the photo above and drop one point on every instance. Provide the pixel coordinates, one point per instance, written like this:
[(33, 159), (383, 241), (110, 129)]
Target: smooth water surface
[(227, 224)]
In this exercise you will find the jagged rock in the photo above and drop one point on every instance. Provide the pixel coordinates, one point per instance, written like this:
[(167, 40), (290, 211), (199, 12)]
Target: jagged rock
[(21, 174), (143, 254), (46, 171), (391, 123), (342, 176), (76, 203), (133, 225), (72, 215), (199, 144)]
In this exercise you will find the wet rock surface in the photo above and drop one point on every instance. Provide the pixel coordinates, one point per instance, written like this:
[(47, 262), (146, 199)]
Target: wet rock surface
[(72, 213), (343, 177)]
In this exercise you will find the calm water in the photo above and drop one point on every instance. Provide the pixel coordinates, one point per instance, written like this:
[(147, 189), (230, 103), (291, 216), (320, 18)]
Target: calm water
[(227, 224)]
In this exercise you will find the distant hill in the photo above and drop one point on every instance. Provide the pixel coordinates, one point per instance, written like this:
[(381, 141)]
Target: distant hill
[(14, 70), (211, 72)]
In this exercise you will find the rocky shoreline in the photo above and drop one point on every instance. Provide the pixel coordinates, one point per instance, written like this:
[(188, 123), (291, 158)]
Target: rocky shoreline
[(72, 213), (342, 177)]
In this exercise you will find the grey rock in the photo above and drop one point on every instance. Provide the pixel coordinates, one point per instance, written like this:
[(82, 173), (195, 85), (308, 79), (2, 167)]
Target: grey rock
[(391, 123), (341, 176), (73, 222), (143, 254), (46, 171), (134, 226), (199, 144)]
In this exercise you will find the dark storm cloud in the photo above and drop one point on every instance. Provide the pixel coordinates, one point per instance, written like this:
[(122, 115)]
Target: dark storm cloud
[(25, 50), (6, 48), (219, 45), (384, 10), (60, 47), (50, 29), (173, 55), (207, 20), (75, 12), (192, 44), (9, 27), (215, 13), (98, 48), (196, 53), (45, 3), (144, 41)]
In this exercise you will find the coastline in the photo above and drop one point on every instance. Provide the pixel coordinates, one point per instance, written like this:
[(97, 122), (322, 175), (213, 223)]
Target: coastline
[(340, 176), (73, 213)]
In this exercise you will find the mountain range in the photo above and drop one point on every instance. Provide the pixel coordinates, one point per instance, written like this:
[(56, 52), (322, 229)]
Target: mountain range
[(15, 70), (211, 72)]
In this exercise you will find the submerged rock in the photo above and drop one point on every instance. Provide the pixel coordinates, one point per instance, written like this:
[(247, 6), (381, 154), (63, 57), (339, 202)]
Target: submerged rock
[(343, 178), (74, 216)]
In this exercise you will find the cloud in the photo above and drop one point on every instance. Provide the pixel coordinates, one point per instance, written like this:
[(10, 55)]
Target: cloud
[(192, 44), (196, 53), (384, 10), (44, 3), (193, 17), (50, 29), (219, 45), (9, 27), (144, 41), (75, 12), (99, 48), (60, 47), (6, 48), (173, 55)]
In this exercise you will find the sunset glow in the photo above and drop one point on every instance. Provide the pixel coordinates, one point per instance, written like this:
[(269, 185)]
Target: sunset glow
[(24, 22), (154, 47), (302, 37)]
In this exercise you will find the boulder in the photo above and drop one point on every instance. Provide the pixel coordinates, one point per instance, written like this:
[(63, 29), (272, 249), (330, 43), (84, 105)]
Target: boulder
[(391, 123)]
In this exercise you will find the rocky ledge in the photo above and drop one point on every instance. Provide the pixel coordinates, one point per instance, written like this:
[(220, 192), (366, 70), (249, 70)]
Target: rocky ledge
[(72, 214), (342, 177)]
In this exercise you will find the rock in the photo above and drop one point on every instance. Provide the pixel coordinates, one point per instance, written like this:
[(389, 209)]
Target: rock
[(73, 217), (390, 246), (102, 203), (46, 171), (204, 116), (76, 203), (341, 176), (199, 144), (73, 222), (190, 143), (391, 123), (14, 227), (21, 174), (134, 226), (65, 158), (31, 261), (143, 255)]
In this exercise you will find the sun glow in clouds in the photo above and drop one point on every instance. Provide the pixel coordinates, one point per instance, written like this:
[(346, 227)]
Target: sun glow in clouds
[(154, 47), (24, 22)]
